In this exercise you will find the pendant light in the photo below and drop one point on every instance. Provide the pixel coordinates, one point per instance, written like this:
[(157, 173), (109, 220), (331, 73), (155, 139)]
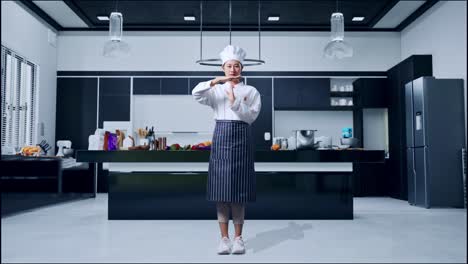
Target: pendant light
[(217, 61), (115, 47), (337, 47)]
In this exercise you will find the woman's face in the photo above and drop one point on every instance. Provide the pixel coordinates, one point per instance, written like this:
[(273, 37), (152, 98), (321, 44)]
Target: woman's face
[(232, 68)]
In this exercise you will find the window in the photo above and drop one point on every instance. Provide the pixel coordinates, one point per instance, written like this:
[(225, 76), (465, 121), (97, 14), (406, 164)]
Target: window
[(19, 92)]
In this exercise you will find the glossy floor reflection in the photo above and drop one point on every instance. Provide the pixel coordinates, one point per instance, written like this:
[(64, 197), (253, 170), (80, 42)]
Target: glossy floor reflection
[(384, 230)]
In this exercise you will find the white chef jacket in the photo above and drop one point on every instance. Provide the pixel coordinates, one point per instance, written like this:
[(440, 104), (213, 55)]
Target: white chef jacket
[(246, 106)]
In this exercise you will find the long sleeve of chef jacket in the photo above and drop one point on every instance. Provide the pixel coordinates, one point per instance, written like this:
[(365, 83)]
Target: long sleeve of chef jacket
[(246, 107), (204, 93)]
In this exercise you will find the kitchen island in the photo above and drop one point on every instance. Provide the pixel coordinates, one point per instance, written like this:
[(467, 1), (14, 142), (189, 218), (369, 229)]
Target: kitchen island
[(305, 184)]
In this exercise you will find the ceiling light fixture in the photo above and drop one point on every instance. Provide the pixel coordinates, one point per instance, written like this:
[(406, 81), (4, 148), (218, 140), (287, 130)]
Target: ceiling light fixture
[(218, 62), (103, 18), (273, 18), (337, 47), (189, 18), (115, 47), (358, 18)]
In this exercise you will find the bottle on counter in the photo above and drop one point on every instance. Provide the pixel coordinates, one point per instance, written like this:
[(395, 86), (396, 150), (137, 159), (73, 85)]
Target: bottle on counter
[(284, 144), (292, 143), (128, 142)]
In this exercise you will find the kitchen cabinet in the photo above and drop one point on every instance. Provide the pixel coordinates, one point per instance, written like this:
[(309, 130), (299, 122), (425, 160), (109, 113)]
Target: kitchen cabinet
[(264, 120), (114, 105), (409, 69), (157, 86), (158, 195), (263, 85), (301, 93), (370, 179), (174, 86), (286, 93), (31, 174), (280, 195), (76, 110), (194, 81), (370, 92), (358, 126), (114, 100), (146, 86)]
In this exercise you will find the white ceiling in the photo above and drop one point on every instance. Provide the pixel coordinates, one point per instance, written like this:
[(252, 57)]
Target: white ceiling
[(61, 13), (398, 13)]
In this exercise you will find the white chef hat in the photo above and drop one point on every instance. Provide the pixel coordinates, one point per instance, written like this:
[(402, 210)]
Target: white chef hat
[(233, 53)]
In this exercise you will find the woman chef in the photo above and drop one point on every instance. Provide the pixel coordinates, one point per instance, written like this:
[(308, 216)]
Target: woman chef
[(231, 173)]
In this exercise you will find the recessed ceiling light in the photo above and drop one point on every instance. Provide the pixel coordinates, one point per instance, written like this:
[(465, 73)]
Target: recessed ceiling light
[(103, 18), (358, 18), (189, 18), (273, 18)]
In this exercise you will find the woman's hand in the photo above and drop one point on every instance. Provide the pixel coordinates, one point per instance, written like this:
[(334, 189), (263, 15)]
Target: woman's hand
[(223, 79), (230, 94)]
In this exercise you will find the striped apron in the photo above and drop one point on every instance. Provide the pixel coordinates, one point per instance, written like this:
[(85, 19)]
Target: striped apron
[(231, 172)]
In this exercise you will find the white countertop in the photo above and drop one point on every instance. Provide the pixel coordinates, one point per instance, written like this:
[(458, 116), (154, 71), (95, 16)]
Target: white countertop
[(203, 166)]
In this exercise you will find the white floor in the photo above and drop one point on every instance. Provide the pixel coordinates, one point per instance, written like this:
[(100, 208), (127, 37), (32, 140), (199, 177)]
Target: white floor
[(384, 230)]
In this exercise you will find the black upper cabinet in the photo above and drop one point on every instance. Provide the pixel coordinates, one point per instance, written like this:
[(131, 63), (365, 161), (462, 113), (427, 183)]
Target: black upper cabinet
[(286, 93), (195, 81), (76, 110), (147, 86), (370, 92), (263, 85), (114, 100), (315, 93), (114, 86), (161, 86), (174, 86), (263, 123), (301, 93)]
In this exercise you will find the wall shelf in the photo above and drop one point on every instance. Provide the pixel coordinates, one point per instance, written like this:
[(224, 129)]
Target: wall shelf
[(342, 94)]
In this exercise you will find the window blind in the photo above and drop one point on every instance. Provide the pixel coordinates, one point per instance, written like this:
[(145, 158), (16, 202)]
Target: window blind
[(19, 92)]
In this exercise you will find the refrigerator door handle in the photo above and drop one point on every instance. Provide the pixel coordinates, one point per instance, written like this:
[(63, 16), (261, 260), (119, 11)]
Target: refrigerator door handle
[(414, 178)]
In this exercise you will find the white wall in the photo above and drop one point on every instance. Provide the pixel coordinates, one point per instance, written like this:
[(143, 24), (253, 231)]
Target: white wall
[(327, 123), (441, 31), (27, 36), (178, 51), (375, 128), (172, 113)]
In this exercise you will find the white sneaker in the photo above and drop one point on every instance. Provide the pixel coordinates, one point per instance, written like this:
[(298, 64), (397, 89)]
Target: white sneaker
[(224, 246), (238, 247)]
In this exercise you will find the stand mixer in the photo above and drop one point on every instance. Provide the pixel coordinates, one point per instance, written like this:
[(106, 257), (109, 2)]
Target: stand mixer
[(63, 144)]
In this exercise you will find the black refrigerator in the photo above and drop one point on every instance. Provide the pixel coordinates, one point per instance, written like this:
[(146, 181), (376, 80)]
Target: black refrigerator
[(435, 136)]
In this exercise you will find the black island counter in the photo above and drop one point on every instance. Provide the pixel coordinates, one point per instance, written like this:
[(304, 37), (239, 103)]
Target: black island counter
[(304, 184)]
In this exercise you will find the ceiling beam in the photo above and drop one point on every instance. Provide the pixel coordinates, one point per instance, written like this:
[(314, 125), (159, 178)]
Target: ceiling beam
[(383, 12), (423, 8), (43, 15), (73, 6), (250, 28)]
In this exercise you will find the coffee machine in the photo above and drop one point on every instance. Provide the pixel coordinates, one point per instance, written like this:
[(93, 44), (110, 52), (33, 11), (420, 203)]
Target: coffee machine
[(64, 148)]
